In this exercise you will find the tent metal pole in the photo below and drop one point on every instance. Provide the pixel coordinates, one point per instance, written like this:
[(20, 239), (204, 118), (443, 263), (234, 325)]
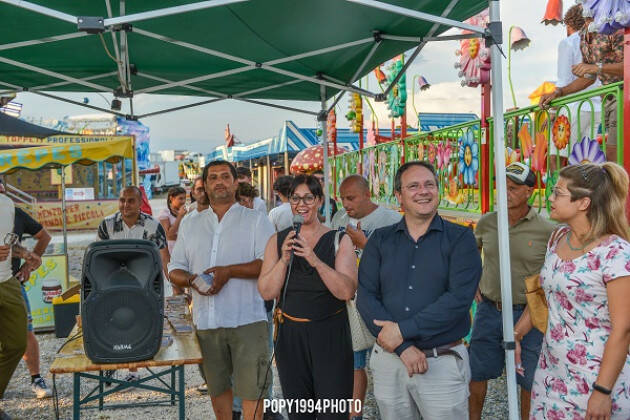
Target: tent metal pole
[(419, 15), (288, 108), (131, 107), (177, 108), (63, 37), (57, 84), (322, 90), (168, 11), (429, 38), (54, 74), (64, 220), (263, 89), (70, 101), (320, 51), (502, 213), (108, 7), (194, 88), (43, 10), (196, 79)]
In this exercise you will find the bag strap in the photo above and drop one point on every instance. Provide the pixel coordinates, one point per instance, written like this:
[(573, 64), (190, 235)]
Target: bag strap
[(337, 240)]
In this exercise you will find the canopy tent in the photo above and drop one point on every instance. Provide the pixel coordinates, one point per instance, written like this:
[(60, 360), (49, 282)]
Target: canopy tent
[(245, 50), (60, 156), (11, 126)]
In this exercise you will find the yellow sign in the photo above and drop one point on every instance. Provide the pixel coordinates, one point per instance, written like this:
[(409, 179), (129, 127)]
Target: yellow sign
[(65, 139), (45, 283), (55, 176), (80, 215)]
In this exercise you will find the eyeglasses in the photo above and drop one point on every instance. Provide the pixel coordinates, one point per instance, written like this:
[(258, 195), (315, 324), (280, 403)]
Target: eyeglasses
[(308, 199), (555, 193), (416, 186), (11, 239)]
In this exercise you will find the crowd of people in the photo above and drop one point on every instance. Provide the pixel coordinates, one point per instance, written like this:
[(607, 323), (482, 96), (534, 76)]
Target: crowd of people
[(293, 290)]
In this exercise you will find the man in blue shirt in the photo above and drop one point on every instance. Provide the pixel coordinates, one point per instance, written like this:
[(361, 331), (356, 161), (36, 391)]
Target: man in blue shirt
[(417, 280)]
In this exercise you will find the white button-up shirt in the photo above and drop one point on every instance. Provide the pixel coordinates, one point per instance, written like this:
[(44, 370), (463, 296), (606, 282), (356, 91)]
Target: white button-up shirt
[(569, 54), (204, 242)]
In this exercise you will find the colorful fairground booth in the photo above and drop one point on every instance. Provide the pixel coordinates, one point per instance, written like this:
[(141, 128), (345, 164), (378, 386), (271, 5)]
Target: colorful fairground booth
[(267, 50), (43, 164)]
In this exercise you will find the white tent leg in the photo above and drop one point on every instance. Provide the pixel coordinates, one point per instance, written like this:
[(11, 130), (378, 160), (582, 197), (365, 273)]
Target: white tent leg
[(322, 123), (503, 226), (64, 218)]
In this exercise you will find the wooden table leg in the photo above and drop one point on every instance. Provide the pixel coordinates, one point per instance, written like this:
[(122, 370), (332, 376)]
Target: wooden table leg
[(100, 390), (182, 394), (76, 401)]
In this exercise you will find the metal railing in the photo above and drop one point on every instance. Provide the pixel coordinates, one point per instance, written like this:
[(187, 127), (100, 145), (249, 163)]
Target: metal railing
[(26, 201)]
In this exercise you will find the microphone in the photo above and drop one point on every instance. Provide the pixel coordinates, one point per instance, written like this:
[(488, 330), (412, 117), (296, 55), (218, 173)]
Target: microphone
[(297, 223)]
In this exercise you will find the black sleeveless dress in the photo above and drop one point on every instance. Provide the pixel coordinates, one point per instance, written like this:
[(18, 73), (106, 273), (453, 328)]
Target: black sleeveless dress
[(314, 359)]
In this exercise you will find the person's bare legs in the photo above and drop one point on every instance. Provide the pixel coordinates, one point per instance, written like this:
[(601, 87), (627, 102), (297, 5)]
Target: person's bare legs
[(359, 390), (248, 409), (478, 391), (526, 399), (31, 356), (222, 405)]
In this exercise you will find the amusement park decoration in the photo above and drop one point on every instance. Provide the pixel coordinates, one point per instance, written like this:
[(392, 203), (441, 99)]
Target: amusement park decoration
[(397, 97), (553, 13), (561, 132), (331, 126), (468, 158), (608, 15), (355, 114), (518, 41), (474, 56), (543, 89), (511, 156), (527, 145), (454, 195), (312, 158), (443, 155), (587, 151), (420, 151), (380, 76), (431, 150), (422, 86), (539, 158)]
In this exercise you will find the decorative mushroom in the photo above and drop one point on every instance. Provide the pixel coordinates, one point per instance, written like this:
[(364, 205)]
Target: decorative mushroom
[(312, 159)]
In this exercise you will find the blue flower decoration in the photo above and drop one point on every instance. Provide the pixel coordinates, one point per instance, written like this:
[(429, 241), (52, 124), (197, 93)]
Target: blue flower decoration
[(468, 158)]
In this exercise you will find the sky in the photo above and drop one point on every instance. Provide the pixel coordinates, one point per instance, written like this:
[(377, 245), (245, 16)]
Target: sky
[(202, 128)]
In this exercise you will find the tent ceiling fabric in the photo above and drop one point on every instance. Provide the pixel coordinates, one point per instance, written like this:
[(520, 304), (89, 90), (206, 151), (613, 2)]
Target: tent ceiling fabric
[(256, 31)]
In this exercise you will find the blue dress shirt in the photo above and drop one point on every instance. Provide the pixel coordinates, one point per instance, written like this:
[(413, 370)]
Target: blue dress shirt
[(426, 286)]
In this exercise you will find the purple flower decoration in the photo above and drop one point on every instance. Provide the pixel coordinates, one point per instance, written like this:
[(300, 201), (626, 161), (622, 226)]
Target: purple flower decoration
[(608, 16), (586, 151)]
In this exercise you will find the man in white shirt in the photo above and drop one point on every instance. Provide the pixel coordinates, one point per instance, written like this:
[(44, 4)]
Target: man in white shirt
[(359, 218), (245, 175), (281, 217), (569, 54), (227, 241), (13, 316)]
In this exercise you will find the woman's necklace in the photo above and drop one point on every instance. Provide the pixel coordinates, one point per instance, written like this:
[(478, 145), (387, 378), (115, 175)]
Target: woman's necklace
[(576, 249)]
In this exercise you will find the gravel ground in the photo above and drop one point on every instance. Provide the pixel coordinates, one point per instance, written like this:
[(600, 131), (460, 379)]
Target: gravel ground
[(20, 402)]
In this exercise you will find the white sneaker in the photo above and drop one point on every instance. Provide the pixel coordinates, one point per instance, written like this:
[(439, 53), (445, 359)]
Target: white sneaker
[(40, 388)]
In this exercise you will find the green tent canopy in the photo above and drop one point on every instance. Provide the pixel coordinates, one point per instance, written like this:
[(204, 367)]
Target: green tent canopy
[(262, 49)]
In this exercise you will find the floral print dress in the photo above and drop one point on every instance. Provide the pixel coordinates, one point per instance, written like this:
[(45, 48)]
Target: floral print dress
[(577, 331)]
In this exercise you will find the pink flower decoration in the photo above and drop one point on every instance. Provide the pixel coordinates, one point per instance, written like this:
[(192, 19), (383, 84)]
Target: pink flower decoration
[(559, 386), (564, 301), (592, 322), (612, 253), (567, 267), (543, 362), (443, 155), (557, 332), (555, 415), (577, 355), (583, 388), (628, 266), (577, 416), (582, 296), (593, 262)]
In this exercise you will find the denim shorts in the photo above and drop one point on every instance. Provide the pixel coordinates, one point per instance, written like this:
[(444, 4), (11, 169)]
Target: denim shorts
[(487, 355), (360, 358), (29, 318)]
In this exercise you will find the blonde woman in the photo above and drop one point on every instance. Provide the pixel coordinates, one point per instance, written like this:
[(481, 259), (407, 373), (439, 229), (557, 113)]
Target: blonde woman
[(584, 367)]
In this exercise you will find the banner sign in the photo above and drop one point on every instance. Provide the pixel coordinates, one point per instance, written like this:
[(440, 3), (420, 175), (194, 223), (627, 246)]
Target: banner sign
[(79, 194), (46, 283), (64, 139), (80, 215)]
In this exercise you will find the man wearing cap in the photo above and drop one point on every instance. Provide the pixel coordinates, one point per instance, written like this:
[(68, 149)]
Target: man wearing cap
[(529, 233)]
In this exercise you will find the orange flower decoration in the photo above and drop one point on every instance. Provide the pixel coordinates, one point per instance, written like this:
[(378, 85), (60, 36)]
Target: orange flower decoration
[(539, 158), (527, 145), (561, 132)]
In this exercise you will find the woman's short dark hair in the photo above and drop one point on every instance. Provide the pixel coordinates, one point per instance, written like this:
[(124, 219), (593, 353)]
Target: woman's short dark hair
[(405, 166), (282, 185), (246, 190), (311, 183), (217, 163), (173, 192)]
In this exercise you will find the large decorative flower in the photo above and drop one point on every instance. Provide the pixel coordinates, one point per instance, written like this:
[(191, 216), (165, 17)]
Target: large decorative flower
[(527, 145), (453, 195), (608, 16), (474, 56), (511, 156), (586, 151), (468, 158), (397, 97), (561, 132), (431, 153), (420, 151), (553, 13), (539, 158), (443, 155)]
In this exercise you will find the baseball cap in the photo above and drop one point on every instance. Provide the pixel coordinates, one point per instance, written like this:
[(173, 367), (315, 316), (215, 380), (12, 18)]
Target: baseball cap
[(520, 174)]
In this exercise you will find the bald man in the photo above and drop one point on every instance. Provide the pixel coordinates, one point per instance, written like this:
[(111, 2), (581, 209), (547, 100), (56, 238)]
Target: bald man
[(359, 218)]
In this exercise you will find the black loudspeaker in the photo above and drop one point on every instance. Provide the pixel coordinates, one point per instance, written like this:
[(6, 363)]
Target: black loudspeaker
[(122, 301)]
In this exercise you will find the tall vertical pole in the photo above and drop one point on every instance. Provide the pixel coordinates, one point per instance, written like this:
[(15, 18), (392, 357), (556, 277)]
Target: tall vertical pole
[(322, 121), (503, 226), (403, 134), (485, 183), (64, 221)]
